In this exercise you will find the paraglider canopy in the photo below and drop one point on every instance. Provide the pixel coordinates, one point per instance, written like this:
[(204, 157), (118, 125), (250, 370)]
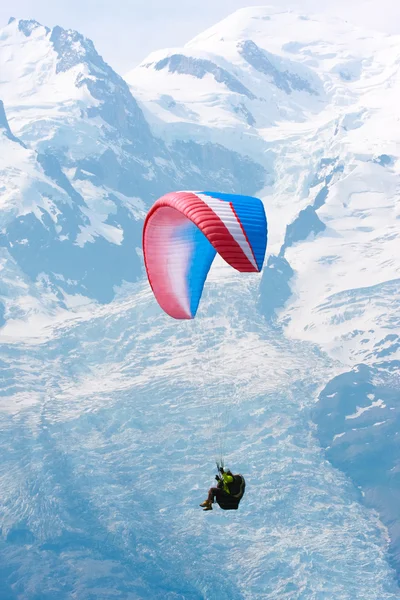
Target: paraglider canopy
[(182, 233)]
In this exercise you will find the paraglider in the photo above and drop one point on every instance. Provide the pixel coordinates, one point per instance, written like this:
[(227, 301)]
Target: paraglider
[(182, 234), (228, 493)]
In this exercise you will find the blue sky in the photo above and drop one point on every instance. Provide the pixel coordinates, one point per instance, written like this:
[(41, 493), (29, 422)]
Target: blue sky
[(125, 31)]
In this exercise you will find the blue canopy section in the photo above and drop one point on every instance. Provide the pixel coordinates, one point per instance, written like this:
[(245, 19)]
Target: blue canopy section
[(201, 255)]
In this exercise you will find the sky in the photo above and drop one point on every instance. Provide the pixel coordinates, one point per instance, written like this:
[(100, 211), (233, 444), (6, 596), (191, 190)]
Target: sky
[(126, 31)]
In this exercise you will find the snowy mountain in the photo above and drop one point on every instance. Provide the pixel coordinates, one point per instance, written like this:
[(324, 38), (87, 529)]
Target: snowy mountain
[(110, 410), (321, 116), (93, 142)]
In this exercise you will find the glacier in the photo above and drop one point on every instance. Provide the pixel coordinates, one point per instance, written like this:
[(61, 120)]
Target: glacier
[(109, 408)]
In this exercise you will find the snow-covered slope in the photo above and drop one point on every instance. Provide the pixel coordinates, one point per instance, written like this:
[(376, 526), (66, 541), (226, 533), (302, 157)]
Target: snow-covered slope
[(104, 468), (25, 189), (108, 411)]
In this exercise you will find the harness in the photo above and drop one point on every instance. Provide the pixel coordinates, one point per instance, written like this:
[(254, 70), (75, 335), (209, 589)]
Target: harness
[(237, 488)]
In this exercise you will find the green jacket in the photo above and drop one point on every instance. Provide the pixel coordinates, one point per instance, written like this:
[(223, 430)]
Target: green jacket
[(226, 479)]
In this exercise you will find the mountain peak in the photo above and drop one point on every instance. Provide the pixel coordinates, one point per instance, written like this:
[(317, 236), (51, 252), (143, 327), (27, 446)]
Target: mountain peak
[(27, 26), (73, 48)]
